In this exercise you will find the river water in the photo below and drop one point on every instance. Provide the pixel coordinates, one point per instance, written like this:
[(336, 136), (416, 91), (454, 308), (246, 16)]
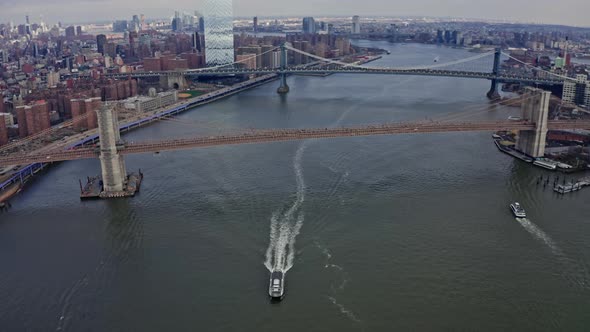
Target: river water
[(409, 232)]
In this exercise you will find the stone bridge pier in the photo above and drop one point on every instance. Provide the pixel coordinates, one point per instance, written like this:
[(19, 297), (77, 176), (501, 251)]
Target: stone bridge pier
[(173, 81), (114, 174), (535, 109)]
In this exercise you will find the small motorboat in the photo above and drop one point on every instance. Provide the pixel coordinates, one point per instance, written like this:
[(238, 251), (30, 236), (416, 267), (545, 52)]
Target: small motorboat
[(517, 210), (276, 288)]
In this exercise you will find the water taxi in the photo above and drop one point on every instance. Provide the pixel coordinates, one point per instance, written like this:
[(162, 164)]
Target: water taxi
[(276, 288), (517, 210)]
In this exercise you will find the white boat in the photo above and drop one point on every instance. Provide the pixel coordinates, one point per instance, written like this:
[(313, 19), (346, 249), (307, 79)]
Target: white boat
[(545, 164), (514, 118), (517, 210), (276, 288)]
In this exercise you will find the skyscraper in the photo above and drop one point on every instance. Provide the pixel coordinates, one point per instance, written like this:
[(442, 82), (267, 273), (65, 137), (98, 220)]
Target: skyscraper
[(177, 22), (201, 24), (255, 23), (219, 32), (70, 32), (356, 25), (309, 25), (101, 41), (136, 24), (196, 41)]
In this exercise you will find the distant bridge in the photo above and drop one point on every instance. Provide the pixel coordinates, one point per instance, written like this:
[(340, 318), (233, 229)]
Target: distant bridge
[(502, 77), (329, 66)]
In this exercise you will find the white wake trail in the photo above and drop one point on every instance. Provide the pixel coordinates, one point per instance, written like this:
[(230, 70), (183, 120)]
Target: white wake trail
[(284, 228), (575, 273), (294, 233), (540, 235), (274, 225)]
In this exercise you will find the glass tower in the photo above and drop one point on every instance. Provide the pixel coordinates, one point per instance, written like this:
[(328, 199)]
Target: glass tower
[(219, 32)]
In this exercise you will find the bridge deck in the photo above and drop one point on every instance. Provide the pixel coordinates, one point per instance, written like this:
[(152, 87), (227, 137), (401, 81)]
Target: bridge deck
[(265, 136)]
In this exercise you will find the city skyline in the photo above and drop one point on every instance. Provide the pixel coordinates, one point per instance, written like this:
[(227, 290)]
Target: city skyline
[(569, 12)]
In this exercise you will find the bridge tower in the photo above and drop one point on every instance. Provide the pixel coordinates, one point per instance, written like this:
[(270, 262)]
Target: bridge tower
[(173, 80), (536, 110), (283, 88), (114, 174), (493, 93)]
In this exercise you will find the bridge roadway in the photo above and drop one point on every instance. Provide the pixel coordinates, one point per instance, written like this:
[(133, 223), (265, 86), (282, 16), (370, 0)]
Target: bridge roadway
[(501, 77), (278, 135)]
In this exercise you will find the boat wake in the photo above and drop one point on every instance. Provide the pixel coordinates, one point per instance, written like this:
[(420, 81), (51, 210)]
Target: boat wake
[(337, 289), (285, 226), (344, 311), (573, 272), (540, 235)]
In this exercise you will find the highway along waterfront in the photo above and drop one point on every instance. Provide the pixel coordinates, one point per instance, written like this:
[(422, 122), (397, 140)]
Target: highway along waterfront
[(406, 232)]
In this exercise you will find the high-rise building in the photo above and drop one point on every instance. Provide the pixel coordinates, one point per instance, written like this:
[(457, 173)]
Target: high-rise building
[(439, 36), (133, 43), (196, 39), (448, 36), (3, 130), (201, 24), (219, 32), (101, 41), (356, 25), (78, 30), (177, 22), (120, 26), (309, 25), (247, 61), (578, 91), (276, 59), (136, 23), (255, 24), (254, 51), (70, 32), (267, 56)]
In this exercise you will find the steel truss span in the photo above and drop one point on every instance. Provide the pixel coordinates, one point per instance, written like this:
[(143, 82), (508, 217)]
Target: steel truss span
[(329, 66), (280, 135)]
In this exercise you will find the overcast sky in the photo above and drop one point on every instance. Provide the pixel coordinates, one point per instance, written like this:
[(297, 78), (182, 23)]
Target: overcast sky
[(568, 12)]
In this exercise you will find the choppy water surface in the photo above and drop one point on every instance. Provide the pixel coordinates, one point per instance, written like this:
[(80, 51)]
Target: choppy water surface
[(409, 232)]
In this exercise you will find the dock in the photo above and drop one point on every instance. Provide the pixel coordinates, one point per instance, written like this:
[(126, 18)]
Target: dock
[(512, 152), (571, 187), (93, 189)]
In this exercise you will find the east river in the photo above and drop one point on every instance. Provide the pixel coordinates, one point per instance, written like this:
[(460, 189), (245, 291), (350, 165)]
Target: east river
[(390, 233)]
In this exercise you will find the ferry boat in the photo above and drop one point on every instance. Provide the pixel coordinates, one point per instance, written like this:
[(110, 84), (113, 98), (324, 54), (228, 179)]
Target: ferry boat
[(517, 210), (276, 288)]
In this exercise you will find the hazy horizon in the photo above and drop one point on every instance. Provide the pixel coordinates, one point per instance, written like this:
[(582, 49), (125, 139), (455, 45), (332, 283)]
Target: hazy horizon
[(566, 12)]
